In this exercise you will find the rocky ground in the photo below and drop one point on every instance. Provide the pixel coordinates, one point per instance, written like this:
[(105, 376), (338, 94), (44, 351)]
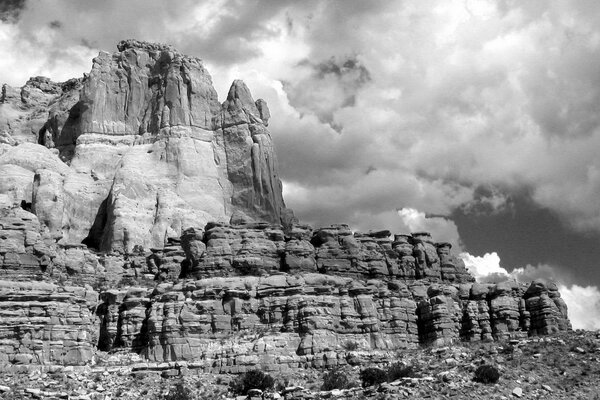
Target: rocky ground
[(564, 366)]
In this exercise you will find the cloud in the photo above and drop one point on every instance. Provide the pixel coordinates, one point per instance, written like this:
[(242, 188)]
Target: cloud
[(485, 268), (441, 229), (327, 86), (584, 305), (10, 10)]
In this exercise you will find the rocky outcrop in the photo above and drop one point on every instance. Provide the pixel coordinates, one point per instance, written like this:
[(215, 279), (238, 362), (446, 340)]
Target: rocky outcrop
[(43, 323), (144, 151), (261, 249), (231, 297), (238, 323), (24, 111)]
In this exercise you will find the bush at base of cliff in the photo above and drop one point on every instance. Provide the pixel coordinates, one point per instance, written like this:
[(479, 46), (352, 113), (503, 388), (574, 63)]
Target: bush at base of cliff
[(336, 379), (486, 374), (255, 379), (178, 392), (399, 370), (372, 376)]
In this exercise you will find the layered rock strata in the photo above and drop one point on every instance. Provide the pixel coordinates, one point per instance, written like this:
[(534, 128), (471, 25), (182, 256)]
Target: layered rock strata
[(232, 297), (44, 323), (289, 321)]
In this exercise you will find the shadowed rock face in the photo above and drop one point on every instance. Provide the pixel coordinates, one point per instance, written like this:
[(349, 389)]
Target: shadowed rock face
[(146, 150), (138, 213)]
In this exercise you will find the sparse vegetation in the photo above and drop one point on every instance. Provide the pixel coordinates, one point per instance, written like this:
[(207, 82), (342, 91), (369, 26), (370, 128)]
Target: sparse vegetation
[(486, 374), (255, 379), (350, 345), (178, 392), (399, 370), (372, 376), (336, 379)]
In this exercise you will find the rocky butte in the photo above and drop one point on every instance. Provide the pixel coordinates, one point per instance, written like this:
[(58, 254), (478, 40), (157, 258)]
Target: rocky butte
[(139, 214)]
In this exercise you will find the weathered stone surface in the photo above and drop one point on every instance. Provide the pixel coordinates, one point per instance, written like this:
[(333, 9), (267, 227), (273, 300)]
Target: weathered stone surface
[(23, 111), (147, 150), (45, 323), (255, 249), (548, 311), (232, 324)]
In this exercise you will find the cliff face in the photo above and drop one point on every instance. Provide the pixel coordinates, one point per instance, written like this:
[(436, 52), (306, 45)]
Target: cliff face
[(139, 214), (228, 298), (146, 151)]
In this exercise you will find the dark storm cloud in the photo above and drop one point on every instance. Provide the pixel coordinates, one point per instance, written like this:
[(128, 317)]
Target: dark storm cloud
[(530, 235), (327, 87), (11, 9)]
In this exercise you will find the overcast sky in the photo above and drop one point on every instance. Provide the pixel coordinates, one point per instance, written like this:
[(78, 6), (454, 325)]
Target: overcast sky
[(477, 120)]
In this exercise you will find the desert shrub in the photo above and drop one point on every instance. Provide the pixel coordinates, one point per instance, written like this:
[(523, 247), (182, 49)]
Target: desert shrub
[(372, 376), (255, 379), (350, 345), (399, 370), (508, 349), (336, 379), (486, 374), (178, 392)]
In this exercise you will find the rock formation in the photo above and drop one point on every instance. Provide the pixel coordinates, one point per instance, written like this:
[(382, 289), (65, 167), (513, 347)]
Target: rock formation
[(139, 214), (138, 150)]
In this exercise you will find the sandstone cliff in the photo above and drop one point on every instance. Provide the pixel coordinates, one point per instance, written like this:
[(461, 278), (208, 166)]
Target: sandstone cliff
[(137, 150), (139, 214)]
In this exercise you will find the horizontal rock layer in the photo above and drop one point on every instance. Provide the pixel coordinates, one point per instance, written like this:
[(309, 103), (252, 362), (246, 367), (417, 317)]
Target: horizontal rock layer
[(237, 323), (46, 323), (231, 297)]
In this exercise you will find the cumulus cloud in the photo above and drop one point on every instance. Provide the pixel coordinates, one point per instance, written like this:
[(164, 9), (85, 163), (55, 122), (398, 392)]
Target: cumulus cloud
[(442, 229), (485, 268), (584, 305), (327, 87)]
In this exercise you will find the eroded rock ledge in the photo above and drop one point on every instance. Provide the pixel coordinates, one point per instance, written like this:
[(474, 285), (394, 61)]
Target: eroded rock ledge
[(232, 297)]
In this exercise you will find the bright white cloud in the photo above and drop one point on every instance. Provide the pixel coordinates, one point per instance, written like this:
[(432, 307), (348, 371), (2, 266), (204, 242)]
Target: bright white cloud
[(441, 229), (484, 267), (584, 305)]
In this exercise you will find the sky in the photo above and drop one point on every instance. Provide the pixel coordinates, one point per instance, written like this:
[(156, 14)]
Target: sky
[(475, 120)]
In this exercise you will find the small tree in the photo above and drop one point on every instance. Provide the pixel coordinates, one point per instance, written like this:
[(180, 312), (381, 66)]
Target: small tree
[(486, 374), (336, 379), (372, 376), (399, 370), (350, 345), (178, 392), (255, 379)]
